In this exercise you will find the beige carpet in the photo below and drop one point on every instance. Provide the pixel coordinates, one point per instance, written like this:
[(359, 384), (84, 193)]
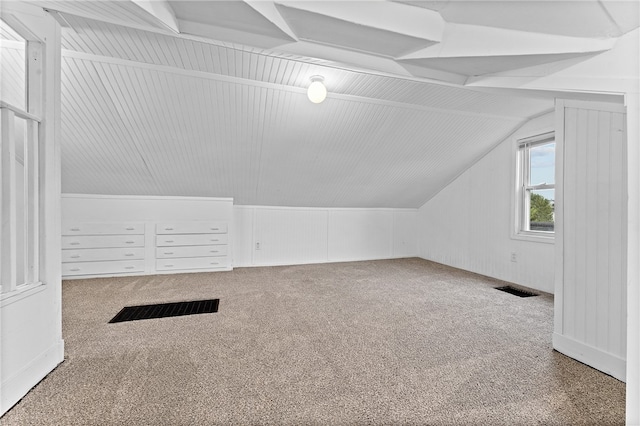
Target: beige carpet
[(381, 342)]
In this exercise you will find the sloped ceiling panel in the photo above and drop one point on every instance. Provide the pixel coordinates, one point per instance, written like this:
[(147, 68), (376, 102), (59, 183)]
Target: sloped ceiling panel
[(146, 112), (141, 46), (133, 130)]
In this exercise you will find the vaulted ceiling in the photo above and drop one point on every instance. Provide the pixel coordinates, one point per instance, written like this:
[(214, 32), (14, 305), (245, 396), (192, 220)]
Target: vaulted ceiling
[(209, 98)]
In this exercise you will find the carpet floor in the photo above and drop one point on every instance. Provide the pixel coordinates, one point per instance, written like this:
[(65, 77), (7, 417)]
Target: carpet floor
[(380, 342)]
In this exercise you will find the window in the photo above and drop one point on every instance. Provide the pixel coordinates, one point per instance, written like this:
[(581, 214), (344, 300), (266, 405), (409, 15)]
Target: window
[(535, 209)]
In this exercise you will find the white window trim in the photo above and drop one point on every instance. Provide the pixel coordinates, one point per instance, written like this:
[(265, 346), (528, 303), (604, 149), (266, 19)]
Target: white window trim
[(517, 209)]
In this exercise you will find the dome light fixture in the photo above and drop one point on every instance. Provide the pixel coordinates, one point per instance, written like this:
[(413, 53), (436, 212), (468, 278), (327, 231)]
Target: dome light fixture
[(316, 91)]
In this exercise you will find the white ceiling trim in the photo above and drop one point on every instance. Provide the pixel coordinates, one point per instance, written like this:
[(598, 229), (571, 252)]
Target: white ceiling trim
[(263, 84)]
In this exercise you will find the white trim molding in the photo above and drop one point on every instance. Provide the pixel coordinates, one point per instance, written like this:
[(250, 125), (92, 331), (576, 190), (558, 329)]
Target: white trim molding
[(593, 357), (15, 387)]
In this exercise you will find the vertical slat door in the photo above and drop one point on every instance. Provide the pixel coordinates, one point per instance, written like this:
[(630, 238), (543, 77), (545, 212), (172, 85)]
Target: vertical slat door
[(592, 303)]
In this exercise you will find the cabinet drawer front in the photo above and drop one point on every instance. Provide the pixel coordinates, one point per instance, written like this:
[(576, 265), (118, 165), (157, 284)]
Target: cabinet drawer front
[(191, 263), (191, 228), (97, 268), (190, 240), (191, 251), (104, 228), (102, 241), (91, 255)]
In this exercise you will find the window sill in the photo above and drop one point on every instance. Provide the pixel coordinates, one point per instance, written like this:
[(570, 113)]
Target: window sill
[(21, 293), (546, 239)]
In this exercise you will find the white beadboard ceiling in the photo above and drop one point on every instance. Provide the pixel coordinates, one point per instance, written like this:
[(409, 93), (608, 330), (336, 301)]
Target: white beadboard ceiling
[(220, 109)]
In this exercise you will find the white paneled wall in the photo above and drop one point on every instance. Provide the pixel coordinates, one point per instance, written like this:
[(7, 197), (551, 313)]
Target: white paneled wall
[(590, 303), (468, 224), (285, 235), (359, 235), (290, 236)]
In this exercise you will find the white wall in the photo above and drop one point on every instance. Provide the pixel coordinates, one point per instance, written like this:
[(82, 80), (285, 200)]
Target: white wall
[(590, 304), (31, 342), (468, 224), (288, 235)]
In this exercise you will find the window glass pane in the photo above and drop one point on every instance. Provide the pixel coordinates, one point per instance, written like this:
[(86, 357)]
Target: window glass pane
[(13, 69), (541, 210), (542, 164)]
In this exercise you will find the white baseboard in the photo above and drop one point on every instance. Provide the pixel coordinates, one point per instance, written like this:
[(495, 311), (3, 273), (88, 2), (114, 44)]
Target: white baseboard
[(19, 384), (594, 357)]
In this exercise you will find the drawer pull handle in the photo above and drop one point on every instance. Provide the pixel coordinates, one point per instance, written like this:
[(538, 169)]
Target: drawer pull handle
[(213, 251), (74, 243), (129, 242), (128, 254), (168, 241), (128, 267), (168, 229), (168, 252), (214, 263), (74, 269), (168, 266), (215, 229), (75, 256), (75, 229), (130, 228), (214, 240)]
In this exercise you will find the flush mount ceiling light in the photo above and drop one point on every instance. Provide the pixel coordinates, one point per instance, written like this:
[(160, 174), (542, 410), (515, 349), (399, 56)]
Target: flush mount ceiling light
[(316, 91)]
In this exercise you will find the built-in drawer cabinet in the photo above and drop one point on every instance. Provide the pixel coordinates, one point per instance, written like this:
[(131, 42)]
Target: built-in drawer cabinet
[(106, 248), (190, 251), (99, 254), (191, 228), (102, 241), (101, 268), (191, 263), (105, 228), (191, 240), (183, 246), (120, 248)]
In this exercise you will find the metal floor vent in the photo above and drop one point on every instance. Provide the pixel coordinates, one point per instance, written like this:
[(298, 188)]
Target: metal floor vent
[(516, 291), (163, 310)]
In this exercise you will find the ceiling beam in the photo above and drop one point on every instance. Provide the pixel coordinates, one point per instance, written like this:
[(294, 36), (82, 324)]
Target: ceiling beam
[(463, 40), (161, 10), (397, 18)]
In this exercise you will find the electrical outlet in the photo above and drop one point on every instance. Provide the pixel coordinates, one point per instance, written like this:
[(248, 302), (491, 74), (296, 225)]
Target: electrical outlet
[(257, 246), (514, 257)]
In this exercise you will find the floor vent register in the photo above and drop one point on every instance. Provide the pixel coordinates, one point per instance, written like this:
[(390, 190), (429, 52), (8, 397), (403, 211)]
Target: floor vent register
[(516, 291), (164, 310)]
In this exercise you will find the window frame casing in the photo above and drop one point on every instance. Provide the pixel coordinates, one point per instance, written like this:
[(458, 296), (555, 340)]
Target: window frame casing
[(523, 185)]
